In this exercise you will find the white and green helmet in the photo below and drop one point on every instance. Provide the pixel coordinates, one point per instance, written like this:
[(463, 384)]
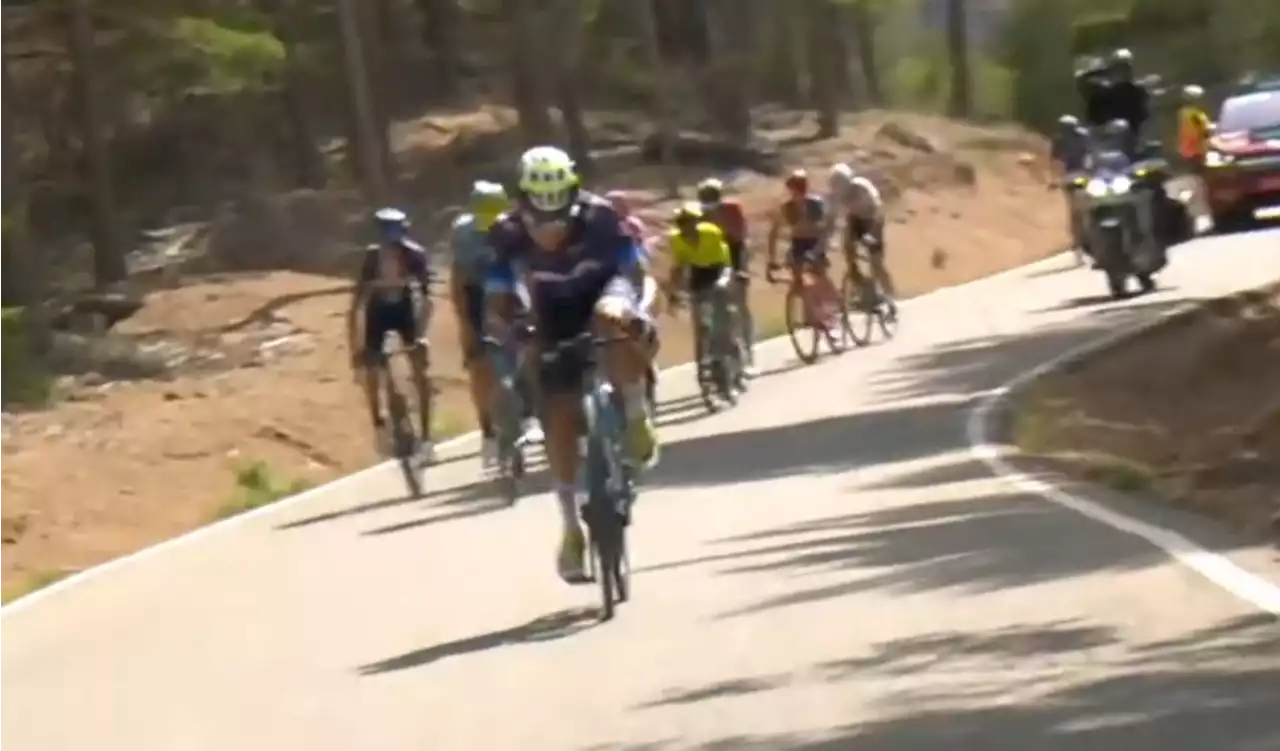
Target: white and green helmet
[(547, 178)]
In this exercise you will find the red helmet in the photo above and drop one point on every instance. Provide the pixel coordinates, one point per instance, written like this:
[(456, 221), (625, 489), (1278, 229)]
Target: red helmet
[(798, 181)]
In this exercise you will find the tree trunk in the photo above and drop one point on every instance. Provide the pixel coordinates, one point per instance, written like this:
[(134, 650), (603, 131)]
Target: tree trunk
[(306, 162), (23, 275), (364, 147), (568, 18), (378, 61), (528, 92), (864, 29), (647, 25), (824, 58), (108, 245), (730, 75), (960, 101), (441, 30)]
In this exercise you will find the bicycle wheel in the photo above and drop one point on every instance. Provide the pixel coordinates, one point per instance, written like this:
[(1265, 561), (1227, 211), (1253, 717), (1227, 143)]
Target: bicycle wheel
[(860, 317), (798, 328), (887, 315), (510, 450), (403, 438), (705, 362), (604, 517)]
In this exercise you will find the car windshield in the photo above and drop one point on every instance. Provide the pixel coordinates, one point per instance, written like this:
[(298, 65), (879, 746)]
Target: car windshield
[(1250, 112)]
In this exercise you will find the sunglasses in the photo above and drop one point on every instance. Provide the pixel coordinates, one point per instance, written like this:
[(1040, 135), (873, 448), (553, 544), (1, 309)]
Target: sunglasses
[(543, 221)]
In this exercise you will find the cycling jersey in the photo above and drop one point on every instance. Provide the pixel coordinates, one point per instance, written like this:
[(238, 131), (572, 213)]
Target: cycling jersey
[(859, 199), (806, 217), (471, 252), (730, 218), (389, 271), (708, 250), (565, 284)]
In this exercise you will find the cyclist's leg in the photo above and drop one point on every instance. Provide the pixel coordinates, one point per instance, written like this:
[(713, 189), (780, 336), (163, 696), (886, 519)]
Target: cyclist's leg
[(879, 268), (627, 365), (559, 396), (744, 325), (412, 333), (469, 302), (376, 329)]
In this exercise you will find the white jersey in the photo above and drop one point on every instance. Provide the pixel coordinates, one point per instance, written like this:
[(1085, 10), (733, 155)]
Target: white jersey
[(858, 198)]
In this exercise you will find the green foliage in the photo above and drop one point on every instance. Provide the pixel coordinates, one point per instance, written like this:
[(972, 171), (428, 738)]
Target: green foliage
[(25, 380), (228, 59), (257, 486)]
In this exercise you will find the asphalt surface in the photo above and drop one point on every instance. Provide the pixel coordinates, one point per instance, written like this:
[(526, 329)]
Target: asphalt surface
[(824, 567)]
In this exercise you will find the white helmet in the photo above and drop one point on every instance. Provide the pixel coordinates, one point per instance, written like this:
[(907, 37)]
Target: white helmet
[(547, 178), (1192, 92), (841, 174)]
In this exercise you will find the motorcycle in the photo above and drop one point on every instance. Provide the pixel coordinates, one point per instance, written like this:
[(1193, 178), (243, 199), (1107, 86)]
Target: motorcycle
[(1116, 199)]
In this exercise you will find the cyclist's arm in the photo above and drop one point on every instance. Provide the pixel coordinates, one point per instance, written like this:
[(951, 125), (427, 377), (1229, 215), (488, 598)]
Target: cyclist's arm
[(359, 296), (775, 227), (500, 283)]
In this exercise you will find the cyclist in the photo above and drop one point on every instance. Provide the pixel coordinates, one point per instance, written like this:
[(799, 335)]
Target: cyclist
[(471, 258), (700, 262), (384, 297), (727, 214), (1067, 154), (805, 215), (584, 273), (631, 224), (635, 227), (858, 199)]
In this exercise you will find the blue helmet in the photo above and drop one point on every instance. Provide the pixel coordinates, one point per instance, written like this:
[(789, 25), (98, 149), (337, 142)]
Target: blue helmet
[(392, 223)]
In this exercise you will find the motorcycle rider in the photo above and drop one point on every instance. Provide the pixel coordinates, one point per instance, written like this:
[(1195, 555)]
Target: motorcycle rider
[(1110, 92), (1067, 154)]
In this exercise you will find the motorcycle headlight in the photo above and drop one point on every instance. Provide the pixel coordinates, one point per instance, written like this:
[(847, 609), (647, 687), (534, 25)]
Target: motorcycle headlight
[(1216, 159), (1096, 188), (1121, 185)]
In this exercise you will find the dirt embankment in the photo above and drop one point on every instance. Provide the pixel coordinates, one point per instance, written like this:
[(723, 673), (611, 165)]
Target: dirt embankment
[(254, 365), (1189, 412)]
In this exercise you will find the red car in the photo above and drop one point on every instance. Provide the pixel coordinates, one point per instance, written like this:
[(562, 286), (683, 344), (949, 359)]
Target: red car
[(1242, 166)]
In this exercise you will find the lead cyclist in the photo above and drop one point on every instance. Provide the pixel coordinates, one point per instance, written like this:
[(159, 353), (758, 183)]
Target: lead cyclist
[(856, 198)]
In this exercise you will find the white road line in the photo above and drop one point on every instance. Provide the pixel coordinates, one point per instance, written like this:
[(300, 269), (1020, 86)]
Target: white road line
[(30, 600), (1215, 567)]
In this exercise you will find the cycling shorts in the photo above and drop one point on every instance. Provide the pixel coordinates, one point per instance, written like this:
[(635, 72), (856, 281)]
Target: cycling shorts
[(859, 227), (559, 319), (805, 250), (382, 317), (702, 279)]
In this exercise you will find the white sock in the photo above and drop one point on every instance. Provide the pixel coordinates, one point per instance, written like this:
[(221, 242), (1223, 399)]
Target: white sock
[(634, 400), (567, 500)]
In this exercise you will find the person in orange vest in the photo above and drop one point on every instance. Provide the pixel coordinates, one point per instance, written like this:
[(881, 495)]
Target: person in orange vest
[(1194, 130)]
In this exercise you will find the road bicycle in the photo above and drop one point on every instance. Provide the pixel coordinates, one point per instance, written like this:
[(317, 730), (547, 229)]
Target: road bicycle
[(811, 319), (609, 479), (405, 442), (718, 348), (508, 412), (866, 294)]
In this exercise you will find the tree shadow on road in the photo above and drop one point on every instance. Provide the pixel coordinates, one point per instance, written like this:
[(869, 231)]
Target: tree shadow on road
[(1211, 689), (557, 625)]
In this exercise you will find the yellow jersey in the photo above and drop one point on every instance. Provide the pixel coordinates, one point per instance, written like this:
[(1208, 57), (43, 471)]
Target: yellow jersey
[(710, 249)]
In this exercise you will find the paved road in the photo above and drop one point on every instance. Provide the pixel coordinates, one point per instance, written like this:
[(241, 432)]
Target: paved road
[(823, 568)]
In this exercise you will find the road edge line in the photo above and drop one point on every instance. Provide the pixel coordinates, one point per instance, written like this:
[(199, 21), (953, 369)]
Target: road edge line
[(992, 451), (33, 598)]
